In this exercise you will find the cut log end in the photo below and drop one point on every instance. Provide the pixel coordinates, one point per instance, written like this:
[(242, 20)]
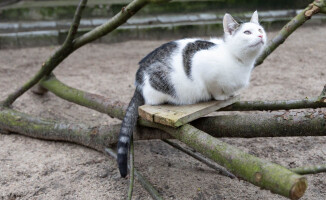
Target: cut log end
[(299, 188)]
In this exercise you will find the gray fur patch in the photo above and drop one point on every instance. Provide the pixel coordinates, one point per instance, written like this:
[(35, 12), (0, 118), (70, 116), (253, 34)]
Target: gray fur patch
[(159, 78), (190, 50), (156, 65)]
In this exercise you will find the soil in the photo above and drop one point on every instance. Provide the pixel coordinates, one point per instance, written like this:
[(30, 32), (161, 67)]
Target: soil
[(38, 169)]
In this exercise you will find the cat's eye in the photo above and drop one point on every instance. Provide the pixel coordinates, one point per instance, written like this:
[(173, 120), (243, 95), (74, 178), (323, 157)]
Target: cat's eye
[(260, 31), (247, 32)]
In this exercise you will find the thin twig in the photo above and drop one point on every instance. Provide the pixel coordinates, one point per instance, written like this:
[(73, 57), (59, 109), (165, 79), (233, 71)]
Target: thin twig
[(132, 168), (144, 182), (202, 159), (310, 169), (75, 22)]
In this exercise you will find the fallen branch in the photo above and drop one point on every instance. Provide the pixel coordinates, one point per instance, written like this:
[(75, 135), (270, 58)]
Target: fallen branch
[(96, 102), (145, 183), (259, 172), (95, 137), (309, 169), (315, 102), (282, 124), (202, 159)]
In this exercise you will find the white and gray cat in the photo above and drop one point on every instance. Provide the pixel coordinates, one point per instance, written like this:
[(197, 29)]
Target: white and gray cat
[(188, 71)]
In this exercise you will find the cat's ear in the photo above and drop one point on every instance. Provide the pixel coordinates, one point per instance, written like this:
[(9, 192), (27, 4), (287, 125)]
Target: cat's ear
[(229, 24), (254, 18)]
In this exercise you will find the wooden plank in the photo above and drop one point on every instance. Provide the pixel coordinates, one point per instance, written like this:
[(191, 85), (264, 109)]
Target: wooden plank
[(175, 116)]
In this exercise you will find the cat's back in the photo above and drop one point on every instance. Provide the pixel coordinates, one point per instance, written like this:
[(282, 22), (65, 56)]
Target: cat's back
[(166, 51)]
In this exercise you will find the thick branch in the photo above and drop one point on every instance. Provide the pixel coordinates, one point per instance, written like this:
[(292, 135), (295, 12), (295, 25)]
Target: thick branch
[(282, 124), (95, 137), (259, 172), (276, 105), (287, 30)]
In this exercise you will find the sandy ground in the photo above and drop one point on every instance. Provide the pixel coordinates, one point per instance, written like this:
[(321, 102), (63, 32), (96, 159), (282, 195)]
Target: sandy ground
[(36, 169)]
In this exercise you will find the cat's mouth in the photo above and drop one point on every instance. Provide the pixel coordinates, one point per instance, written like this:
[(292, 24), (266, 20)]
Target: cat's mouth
[(258, 43)]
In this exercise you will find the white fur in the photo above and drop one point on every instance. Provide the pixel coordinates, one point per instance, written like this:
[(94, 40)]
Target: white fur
[(219, 72)]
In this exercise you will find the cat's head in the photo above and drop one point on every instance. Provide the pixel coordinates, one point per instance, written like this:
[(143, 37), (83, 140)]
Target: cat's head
[(248, 37)]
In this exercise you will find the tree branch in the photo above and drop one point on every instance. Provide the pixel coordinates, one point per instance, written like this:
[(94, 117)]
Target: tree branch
[(259, 172), (287, 30), (315, 102), (201, 158), (145, 183), (322, 96), (75, 22), (282, 124), (132, 168), (309, 169), (96, 102), (95, 137)]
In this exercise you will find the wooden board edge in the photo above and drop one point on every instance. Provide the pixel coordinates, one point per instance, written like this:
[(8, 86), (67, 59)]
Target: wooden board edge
[(201, 113)]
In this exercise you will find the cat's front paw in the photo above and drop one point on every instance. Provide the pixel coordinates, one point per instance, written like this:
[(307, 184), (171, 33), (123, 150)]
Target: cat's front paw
[(221, 97)]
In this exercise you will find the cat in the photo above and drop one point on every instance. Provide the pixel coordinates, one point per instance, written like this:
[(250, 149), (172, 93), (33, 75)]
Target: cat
[(188, 71)]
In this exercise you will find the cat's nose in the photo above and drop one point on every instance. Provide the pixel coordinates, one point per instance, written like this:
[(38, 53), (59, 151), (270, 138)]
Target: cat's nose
[(261, 36)]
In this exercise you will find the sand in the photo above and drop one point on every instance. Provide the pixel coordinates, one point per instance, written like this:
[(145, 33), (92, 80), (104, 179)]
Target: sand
[(37, 169)]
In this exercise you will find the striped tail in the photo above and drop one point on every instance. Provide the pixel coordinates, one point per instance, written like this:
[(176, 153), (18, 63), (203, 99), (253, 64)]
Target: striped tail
[(127, 127)]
